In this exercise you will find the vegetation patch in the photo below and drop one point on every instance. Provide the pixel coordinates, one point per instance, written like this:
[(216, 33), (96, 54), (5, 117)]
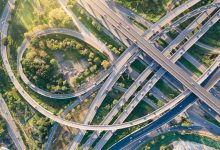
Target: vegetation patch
[(204, 56), (30, 16), (212, 36), (166, 89), (150, 10), (140, 25), (189, 66), (55, 60), (94, 27), (5, 140), (141, 109)]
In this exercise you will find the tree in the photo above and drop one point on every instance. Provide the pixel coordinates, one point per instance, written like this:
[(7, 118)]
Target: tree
[(93, 68), (85, 51), (97, 60), (91, 55), (5, 41), (115, 101), (2, 126), (53, 62), (30, 55), (105, 64), (57, 17), (75, 81)]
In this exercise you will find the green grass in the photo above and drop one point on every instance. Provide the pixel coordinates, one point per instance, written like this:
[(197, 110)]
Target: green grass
[(141, 110), (138, 66), (140, 25), (189, 66), (212, 36), (27, 16), (2, 6), (155, 100), (150, 10), (212, 120), (166, 90), (204, 56), (165, 139)]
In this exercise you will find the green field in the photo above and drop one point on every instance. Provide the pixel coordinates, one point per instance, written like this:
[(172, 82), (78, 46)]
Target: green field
[(41, 67), (166, 90), (202, 55), (140, 25), (212, 36), (189, 66), (150, 10)]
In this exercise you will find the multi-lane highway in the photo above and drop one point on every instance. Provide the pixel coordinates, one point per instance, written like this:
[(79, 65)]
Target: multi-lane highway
[(155, 54), (181, 107), (98, 100), (138, 96)]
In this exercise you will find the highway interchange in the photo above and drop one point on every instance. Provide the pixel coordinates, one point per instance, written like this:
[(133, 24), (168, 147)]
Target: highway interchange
[(176, 71), (140, 44), (130, 92)]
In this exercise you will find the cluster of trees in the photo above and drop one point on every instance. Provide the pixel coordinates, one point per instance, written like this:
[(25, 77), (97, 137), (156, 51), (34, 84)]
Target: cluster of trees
[(58, 18), (186, 122), (95, 28), (4, 136), (3, 125), (41, 69), (115, 50), (94, 58), (95, 63), (40, 129), (21, 110)]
